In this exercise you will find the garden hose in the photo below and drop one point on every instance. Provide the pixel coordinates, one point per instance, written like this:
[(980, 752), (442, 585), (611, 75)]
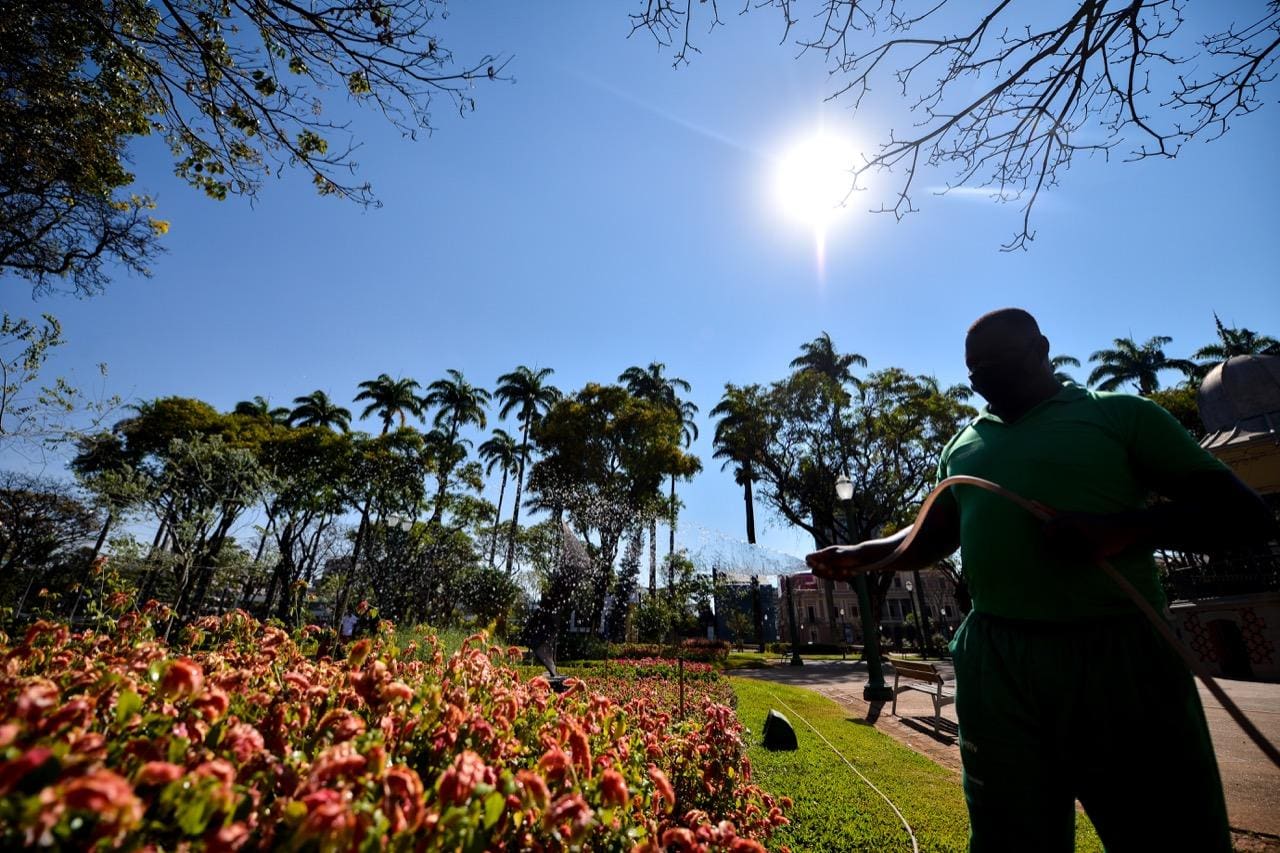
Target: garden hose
[(1044, 513)]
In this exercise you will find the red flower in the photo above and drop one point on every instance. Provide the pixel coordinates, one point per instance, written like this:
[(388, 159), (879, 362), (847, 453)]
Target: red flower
[(402, 799), (613, 788), (397, 690), (13, 772), (535, 787), (183, 677), (327, 813), (679, 839), (36, 699), (211, 704), (336, 762), (228, 838), (244, 741), (157, 773), (663, 786), (359, 651), (581, 749), (554, 764), (574, 811), (342, 725), (467, 771), (107, 794)]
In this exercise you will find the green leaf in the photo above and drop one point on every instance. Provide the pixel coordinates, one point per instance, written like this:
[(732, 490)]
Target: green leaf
[(128, 704), (493, 805)]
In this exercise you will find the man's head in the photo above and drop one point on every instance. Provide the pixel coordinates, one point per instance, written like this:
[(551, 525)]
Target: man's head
[(1008, 359)]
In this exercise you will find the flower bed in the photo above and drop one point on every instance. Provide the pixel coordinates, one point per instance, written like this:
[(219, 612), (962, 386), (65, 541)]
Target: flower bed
[(240, 736)]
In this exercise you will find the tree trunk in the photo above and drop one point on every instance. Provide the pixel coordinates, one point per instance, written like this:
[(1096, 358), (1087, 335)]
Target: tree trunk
[(671, 547), (344, 593), (751, 511), (515, 514), (653, 555), (497, 519)]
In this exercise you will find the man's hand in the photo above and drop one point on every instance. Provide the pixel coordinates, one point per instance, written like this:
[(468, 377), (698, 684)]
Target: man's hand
[(840, 562), (1095, 535)]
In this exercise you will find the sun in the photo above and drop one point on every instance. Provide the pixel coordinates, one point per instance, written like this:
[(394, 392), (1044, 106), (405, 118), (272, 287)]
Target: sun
[(814, 177)]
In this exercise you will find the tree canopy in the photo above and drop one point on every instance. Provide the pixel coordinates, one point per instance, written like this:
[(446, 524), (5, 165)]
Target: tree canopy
[(239, 90)]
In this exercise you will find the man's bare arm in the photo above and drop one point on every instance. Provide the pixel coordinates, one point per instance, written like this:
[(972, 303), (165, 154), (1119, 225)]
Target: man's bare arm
[(939, 536)]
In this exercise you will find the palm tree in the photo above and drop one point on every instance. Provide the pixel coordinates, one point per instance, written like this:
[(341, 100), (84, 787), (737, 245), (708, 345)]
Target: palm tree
[(739, 440), (501, 452), (1232, 342), (820, 356), (459, 403), (316, 409), (260, 407), (527, 392), (1140, 365), (1060, 361), (389, 398), (650, 383)]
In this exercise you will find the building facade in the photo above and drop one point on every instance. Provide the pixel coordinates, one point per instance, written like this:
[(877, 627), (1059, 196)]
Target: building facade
[(932, 592)]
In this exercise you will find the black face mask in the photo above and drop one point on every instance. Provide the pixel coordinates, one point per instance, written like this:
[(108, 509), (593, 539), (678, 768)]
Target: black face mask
[(1000, 382)]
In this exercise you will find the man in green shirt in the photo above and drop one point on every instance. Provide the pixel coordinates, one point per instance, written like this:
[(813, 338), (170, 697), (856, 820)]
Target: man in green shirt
[(1063, 690)]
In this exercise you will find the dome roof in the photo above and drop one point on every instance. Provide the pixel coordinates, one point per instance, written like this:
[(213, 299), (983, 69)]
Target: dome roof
[(1240, 399)]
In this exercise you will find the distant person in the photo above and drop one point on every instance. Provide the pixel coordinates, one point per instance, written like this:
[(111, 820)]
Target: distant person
[(1064, 690), (347, 628)]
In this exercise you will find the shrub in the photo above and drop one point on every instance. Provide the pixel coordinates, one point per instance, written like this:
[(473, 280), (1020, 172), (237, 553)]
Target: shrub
[(240, 735)]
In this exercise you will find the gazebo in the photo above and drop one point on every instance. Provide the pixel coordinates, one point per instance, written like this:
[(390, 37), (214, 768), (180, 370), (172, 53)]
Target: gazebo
[(1227, 607)]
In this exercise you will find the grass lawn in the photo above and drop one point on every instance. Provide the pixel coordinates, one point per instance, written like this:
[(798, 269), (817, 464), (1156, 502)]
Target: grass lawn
[(834, 809)]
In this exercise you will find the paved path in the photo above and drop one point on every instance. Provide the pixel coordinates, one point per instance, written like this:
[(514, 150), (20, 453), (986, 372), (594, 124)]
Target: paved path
[(1250, 781)]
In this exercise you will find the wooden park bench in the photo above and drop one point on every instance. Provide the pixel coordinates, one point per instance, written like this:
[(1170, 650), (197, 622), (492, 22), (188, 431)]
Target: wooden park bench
[(915, 671)]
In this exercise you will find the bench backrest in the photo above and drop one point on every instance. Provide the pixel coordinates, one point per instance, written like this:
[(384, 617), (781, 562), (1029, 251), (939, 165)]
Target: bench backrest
[(919, 671)]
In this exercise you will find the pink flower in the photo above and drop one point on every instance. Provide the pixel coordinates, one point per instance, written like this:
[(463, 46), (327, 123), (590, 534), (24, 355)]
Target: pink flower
[(680, 840)]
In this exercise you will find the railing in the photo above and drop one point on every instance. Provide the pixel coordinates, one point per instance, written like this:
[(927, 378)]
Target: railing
[(1222, 576)]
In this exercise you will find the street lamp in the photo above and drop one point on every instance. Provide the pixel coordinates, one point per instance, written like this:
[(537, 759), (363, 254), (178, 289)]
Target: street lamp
[(843, 643), (915, 611), (875, 690)]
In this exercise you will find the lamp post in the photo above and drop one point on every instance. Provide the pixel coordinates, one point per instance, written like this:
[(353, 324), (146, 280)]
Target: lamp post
[(875, 690), (926, 635), (843, 644), (915, 611)]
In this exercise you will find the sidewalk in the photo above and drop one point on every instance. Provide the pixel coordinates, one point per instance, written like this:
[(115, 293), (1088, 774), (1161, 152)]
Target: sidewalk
[(1250, 782)]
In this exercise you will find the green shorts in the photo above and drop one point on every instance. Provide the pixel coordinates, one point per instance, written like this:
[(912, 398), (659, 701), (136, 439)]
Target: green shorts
[(1103, 712)]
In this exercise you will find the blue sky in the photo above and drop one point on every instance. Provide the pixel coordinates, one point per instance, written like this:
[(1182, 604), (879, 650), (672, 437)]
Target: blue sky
[(607, 210)]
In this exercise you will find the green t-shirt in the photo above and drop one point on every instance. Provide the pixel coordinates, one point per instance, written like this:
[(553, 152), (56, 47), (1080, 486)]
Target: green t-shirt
[(1081, 451)]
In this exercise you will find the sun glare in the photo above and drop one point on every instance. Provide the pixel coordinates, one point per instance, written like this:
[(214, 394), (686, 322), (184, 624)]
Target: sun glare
[(813, 179)]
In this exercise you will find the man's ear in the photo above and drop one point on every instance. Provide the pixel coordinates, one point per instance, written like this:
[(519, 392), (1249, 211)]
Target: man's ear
[(1042, 347)]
